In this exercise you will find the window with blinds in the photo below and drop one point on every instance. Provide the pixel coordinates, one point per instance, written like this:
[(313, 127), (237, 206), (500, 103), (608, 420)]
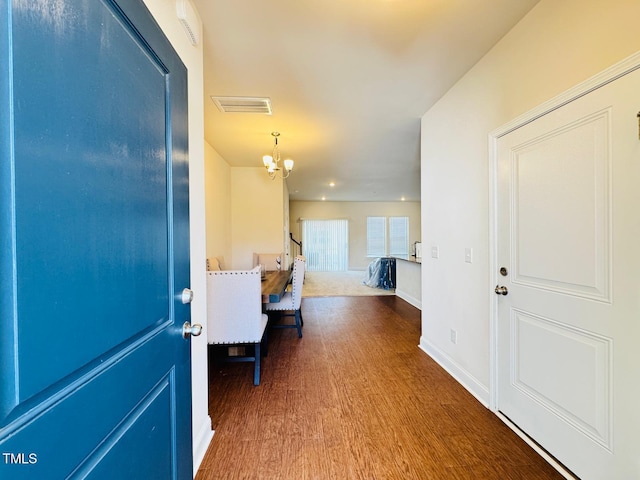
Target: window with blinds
[(376, 236), (325, 244), (387, 236), (398, 235)]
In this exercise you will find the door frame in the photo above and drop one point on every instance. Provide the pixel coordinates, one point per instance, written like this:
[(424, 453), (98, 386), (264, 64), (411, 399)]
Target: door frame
[(608, 75)]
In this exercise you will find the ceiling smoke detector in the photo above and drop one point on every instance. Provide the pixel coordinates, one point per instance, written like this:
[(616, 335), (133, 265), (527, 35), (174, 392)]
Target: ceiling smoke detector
[(243, 104)]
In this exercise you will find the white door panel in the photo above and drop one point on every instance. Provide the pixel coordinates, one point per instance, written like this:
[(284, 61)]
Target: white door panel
[(567, 221), (559, 176), (579, 390)]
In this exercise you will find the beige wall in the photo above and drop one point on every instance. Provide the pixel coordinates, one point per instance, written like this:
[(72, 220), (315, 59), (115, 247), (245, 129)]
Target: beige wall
[(244, 212), (257, 206), (165, 14), (218, 205), (356, 213), (556, 46)]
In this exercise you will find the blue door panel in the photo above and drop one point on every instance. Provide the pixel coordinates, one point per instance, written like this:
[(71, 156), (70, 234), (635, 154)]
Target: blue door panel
[(101, 188), (147, 436), (87, 416), (94, 372), (7, 241)]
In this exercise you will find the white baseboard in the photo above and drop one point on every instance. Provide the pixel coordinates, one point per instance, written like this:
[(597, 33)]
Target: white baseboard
[(409, 299), (201, 443), (463, 377)]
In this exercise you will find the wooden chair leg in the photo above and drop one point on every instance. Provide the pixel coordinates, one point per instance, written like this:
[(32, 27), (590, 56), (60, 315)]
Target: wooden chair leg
[(265, 344), (256, 371), (298, 323)]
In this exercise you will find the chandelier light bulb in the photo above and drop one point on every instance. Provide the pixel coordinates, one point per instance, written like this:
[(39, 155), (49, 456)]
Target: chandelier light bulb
[(288, 165)]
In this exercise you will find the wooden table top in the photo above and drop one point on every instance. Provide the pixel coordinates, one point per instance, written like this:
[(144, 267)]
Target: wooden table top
[(274, 285)]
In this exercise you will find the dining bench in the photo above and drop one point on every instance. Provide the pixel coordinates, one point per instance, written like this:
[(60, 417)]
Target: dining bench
[(234, 313)]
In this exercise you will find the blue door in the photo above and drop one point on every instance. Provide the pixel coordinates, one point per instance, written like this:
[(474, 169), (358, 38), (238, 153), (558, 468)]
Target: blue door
[(94, 370)]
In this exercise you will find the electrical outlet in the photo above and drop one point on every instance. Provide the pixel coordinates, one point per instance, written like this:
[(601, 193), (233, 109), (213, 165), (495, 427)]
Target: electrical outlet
[(435, 252), (454, 336)]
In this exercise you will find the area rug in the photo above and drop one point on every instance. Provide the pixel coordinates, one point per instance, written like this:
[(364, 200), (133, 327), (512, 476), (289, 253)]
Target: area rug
[(339, 284)]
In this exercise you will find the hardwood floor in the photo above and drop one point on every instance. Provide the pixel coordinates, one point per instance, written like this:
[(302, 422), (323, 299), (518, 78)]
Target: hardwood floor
[(355, 398)]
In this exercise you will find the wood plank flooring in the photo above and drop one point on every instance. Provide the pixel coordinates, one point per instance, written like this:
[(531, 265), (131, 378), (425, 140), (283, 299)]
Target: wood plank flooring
[(355, 398)]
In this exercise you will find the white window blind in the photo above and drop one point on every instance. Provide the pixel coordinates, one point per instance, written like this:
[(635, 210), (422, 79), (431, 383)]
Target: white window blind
[(376, 236), (325, 244), (398, 235)]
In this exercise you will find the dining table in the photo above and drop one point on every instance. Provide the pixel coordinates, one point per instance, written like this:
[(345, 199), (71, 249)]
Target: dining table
[(274, 284)]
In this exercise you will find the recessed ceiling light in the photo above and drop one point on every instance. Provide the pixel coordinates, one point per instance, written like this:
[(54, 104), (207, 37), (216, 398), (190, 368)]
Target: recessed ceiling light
[(324, 198), (402, 199), (332, 184)]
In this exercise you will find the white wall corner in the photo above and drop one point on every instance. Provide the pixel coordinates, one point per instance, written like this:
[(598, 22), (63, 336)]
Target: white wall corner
[(201, 441), (464, 378), (416, 302)]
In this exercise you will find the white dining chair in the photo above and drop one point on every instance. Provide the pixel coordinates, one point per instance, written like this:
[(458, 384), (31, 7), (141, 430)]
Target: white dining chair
[(234, 313), (291, 301)]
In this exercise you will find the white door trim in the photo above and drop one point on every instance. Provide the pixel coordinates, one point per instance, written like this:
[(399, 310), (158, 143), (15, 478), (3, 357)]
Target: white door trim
[(607, 76)]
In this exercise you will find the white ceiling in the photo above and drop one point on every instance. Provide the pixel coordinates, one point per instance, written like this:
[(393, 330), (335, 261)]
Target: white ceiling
[(348, 81)]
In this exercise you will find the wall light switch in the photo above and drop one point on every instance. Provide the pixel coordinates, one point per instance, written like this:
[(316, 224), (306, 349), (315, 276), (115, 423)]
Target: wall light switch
[(435, 252), (468, 255)]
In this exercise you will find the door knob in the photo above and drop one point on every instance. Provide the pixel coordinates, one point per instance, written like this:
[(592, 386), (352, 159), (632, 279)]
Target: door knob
[(187, 296), (501, 290), (191, 330)]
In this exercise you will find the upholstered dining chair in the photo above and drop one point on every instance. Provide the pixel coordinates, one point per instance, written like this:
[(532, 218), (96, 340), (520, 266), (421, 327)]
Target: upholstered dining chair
[(291, 300), (234, 313)]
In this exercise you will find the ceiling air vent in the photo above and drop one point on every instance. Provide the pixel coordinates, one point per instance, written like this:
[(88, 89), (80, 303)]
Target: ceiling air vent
[(243, 104)]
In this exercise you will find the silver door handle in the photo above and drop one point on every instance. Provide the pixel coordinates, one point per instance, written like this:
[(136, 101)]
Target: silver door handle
[(501, 290), (191, 330), (187, 296)]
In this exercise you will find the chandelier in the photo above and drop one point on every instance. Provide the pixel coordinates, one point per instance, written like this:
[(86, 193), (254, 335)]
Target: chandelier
[(271, 161)]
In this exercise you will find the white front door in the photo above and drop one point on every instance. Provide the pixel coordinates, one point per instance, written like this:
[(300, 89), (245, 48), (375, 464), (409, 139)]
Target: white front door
[(568, 231)]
